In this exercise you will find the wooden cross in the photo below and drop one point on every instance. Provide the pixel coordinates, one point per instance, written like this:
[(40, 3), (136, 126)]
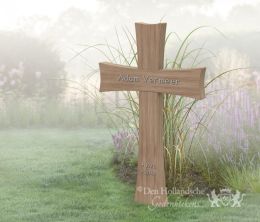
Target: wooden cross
[(151, 80)]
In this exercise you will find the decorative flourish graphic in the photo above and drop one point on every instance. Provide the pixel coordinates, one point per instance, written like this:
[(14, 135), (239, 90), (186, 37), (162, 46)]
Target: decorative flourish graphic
[(237, 199), (225, 198), (213, 199)]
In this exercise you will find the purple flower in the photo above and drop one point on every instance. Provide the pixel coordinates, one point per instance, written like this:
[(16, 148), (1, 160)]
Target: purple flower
[(125, 141)]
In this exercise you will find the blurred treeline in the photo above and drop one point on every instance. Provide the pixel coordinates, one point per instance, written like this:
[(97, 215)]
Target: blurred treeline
[(34, 89)]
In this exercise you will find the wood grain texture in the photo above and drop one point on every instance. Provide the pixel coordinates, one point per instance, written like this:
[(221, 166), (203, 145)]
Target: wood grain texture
[(150, 49), (150, 39), (191, 81)]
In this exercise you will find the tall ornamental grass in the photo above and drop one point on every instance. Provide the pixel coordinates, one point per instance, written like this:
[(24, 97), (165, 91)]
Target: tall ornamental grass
[(182, 133)]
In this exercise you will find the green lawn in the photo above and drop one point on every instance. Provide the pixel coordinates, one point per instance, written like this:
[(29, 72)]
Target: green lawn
[(65, 175)]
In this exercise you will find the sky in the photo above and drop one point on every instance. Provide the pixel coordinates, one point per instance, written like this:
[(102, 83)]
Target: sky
[(96, 20), (11, 11)]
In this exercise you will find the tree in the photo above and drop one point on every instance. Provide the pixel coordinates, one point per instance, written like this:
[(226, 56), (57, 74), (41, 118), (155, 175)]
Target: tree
[(29, 66)]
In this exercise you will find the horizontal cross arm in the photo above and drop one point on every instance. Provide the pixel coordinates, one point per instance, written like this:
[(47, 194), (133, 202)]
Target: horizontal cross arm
[(185, 82)]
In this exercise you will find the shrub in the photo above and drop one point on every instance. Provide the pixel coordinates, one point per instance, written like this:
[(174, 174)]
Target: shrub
[(29, 66), (125, 155)]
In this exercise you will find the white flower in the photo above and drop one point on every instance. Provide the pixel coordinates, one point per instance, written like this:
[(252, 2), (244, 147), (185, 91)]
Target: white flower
[(17, 71)]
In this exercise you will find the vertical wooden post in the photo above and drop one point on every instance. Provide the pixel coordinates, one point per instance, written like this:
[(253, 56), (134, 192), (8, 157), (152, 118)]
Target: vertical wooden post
[(150, 186)]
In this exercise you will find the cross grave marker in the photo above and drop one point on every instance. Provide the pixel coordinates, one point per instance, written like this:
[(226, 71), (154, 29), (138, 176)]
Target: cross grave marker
[(151, 80)]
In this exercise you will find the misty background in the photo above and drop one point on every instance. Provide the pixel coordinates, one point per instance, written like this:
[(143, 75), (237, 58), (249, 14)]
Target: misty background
[(43, 58), (70, 153)]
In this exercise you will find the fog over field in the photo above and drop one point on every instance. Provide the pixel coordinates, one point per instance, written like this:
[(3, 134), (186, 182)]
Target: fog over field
[(69, 152), (47, 45), (68, 24)]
